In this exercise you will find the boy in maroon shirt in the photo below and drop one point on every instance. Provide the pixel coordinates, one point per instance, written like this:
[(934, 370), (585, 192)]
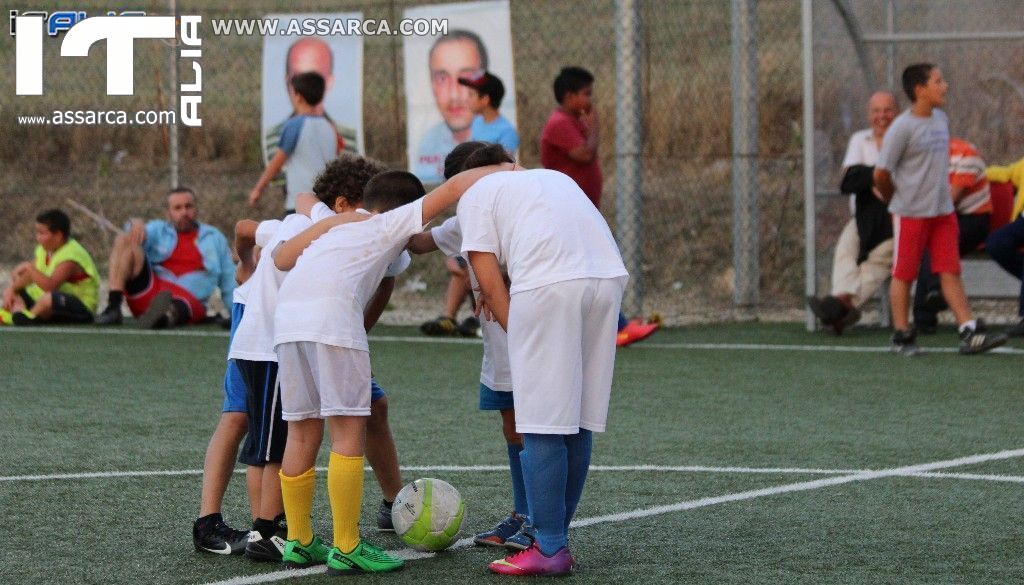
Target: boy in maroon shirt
[(569, 141), (568, 144)]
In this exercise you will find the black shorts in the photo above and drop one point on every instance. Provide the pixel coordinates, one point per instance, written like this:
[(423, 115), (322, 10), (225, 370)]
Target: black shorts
[(140, 282), (66, 308), (267, 431)]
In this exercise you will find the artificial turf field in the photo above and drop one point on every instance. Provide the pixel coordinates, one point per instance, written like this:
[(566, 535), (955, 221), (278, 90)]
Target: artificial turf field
[(776, 456)]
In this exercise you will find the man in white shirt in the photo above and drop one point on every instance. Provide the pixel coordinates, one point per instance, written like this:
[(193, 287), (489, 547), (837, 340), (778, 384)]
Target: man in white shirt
[(856, 277)]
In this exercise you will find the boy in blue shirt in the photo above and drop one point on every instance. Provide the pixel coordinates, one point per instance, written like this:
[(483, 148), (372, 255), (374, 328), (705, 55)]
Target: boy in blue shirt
[(489, 125), (308, 142)]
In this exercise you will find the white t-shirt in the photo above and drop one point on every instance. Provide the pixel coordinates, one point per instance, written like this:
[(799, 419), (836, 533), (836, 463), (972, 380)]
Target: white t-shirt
[(254, 338), (495, 371), (539, 224), (323, 297), (264, 231), (862, 150)]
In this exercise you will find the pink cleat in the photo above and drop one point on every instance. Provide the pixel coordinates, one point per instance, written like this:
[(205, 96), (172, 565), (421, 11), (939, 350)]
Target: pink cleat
[(532, 562)]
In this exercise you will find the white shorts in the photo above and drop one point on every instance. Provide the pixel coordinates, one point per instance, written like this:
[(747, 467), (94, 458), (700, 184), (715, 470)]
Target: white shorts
[(319, 380), (561, 345)]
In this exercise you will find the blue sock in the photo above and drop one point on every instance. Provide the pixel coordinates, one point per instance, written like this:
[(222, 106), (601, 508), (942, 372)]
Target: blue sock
[(544, 472), (622, 321), (578, 448), (515, 466)]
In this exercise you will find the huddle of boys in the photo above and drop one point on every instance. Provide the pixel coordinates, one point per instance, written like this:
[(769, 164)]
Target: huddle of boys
[(313, 294)]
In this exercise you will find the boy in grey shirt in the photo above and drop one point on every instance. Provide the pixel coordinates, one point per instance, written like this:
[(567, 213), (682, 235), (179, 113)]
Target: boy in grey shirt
[(912, 175)]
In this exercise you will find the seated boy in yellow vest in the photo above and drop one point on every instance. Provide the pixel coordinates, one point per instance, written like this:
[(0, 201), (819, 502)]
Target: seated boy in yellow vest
[(60, 286)]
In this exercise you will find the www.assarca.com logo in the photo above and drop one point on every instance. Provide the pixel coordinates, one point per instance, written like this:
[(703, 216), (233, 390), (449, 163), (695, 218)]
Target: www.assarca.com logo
[(120, 34)]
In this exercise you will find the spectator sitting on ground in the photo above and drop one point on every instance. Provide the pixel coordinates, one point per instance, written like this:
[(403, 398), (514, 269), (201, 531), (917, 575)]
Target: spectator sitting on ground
[(863, 256), (1004, 244), (59, 286), (167, 269)]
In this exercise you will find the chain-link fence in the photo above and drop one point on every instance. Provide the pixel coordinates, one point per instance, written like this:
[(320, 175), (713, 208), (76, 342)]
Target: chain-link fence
[(861, 47), (685, 157)]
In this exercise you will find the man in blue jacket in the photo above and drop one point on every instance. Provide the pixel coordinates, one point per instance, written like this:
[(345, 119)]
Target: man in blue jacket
[(167, 269)]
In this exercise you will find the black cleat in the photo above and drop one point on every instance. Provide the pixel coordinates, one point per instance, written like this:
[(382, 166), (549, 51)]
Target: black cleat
[(218, 538), (904, 343), (977, 341), (384, 522), (266, 549), (470, 327), (440, 326)]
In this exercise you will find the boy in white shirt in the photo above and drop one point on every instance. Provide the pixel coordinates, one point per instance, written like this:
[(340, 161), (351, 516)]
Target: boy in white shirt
[(323, 353), (495, 374), (561, 314), (339, 188)]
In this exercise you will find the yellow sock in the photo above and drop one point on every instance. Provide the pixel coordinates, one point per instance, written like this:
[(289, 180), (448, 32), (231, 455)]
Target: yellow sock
[(297, 494), (345, 489)]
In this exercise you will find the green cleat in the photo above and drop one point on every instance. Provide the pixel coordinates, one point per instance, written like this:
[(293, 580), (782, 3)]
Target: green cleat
[(366, 558), (297, 556)]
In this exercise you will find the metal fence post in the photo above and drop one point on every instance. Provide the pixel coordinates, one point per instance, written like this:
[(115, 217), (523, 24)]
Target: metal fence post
[(628, 148), (746, 261), (810, 260), (173, 130)]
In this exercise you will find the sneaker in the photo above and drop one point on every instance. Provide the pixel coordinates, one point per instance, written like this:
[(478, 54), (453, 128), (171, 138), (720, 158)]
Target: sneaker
[(977, 341), (159, 314), (440, 326), (502, 532), (384, 522), (904, 343), (366, 558), (634, 331), (523, 539), (1015, 331), (266, 549), (297, 556), (532, 562), (218, 538), (109, 316), (25, 319), (7, 319), (470, 327)]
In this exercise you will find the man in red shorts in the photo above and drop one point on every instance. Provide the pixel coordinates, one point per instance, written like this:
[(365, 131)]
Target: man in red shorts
[(912, 175), (167, 269)]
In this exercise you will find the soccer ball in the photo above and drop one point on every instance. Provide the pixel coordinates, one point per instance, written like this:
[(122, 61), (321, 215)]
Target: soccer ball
[(428, 514)]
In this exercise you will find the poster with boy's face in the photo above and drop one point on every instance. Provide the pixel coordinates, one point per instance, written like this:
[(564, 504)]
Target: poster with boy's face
[(338, 58), (479, 38)]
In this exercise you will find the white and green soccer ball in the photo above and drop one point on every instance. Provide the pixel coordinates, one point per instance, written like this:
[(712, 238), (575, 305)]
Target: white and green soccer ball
[(428, 514)]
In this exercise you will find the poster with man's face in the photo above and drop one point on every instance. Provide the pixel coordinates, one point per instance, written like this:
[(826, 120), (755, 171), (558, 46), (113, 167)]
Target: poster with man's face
[(479, 38), (339, 59)]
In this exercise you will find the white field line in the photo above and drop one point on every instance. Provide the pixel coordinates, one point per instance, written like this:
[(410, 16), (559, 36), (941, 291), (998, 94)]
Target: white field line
[(458, 341), (497, 468), (909, 470)]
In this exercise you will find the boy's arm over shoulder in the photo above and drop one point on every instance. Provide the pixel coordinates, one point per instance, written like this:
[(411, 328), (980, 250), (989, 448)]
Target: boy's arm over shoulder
[(287, 254), (304, 203), (451, 190)]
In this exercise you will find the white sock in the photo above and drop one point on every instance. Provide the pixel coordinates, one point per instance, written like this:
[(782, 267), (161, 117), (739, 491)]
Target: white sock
[(972, 324)]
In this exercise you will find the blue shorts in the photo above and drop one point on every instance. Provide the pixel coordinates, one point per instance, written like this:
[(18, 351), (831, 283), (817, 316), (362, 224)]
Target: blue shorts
[(376, 392), (234, 385), (494, 400)]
